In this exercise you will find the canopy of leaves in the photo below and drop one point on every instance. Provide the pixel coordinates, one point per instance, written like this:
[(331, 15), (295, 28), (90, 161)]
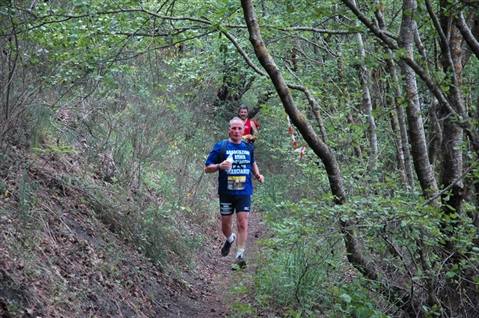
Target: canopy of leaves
[(142, 90)]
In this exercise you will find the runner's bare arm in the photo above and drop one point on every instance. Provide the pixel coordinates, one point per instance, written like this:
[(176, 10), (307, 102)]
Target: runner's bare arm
[(254, 128), (256, 173), (225, 165)]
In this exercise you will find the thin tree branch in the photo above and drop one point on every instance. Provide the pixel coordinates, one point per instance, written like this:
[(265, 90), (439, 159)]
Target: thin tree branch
[(419, 70), (467, 34), (439, 193), (243, 53)]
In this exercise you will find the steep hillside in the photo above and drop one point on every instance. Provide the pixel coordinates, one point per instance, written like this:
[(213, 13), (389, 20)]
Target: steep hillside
[(63, 252), (63, 255)]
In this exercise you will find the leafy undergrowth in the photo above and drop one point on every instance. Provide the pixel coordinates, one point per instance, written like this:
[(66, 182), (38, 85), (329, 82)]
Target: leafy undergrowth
[(64, 253)]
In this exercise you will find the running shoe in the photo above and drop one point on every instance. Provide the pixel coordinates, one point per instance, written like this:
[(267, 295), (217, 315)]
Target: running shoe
[(225, 249), (240, 263)]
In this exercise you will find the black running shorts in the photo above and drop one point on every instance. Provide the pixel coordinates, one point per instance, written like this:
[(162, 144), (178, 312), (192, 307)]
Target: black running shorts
[(234, 203)]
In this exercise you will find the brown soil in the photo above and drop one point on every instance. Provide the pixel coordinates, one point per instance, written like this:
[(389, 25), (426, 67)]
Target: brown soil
[(216, 281), (76, 266)]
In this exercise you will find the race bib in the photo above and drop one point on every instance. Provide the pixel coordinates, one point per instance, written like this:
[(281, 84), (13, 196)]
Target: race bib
[(236, 182)]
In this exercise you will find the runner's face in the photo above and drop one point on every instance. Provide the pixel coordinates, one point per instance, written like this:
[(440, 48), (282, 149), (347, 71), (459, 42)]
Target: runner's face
[(243, 114), (236, 130)]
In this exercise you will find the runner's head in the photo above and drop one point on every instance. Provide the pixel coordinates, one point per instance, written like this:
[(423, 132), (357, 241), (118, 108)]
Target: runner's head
[(236, 129), (243, 112)]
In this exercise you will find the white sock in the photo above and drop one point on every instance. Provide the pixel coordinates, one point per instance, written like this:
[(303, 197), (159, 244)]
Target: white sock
[(231, 238), (239, 252)]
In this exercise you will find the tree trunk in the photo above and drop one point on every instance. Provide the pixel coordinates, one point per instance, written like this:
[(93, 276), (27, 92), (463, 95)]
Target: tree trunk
[(352, 116), (354, 251), (451, 165), (417, 136), (297, 118), (404, 154), (367, 104), (435, 133)]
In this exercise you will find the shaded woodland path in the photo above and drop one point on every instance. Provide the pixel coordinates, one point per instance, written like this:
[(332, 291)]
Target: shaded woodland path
[(65, 246), (215, 282)]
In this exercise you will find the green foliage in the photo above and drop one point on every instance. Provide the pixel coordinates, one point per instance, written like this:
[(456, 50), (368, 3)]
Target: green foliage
[(27, 200), (141, 93), (14, 308), (304, 268), (55, 150)]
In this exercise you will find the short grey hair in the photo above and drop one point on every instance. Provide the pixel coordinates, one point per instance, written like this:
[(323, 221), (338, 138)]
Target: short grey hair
[(236, 119)]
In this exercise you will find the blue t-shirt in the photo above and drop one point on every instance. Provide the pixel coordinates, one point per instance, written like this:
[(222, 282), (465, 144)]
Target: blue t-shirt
[(237, 181)]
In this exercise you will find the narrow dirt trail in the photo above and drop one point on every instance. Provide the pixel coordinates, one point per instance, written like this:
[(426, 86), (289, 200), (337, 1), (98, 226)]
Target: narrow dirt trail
[(215, 281)]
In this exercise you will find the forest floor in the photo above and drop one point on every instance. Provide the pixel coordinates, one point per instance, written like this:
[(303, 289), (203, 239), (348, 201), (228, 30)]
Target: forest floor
[(217, 285), (57, 260)]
